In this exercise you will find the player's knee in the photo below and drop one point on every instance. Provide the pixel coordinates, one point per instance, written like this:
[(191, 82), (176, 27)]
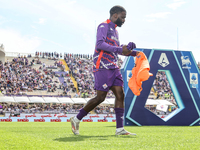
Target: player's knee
[(100, 99), (123, 95), (120, 95)]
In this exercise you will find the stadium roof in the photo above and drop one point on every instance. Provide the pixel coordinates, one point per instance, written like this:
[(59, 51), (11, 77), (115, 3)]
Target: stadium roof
[(151, 102), (21, 99), (6, 99), (64, 100), (111, 100), (164, 102), (104, 102), (79, 100), (36, 100), (51, 100), (158, 102)]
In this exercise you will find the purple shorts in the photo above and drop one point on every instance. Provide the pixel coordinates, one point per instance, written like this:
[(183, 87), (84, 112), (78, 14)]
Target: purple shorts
[(105, 79)]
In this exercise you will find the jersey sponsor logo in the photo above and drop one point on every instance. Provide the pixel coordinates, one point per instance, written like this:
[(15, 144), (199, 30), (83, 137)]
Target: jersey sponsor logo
[(102, 26), (185, 62), (163, 60), (114, 38)]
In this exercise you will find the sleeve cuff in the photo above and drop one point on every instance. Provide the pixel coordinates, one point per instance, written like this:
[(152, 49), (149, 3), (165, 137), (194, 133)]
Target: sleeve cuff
[(119, 50), (133, 53)]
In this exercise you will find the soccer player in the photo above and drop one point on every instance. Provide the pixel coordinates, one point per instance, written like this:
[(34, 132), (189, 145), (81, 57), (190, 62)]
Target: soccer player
[(106, 71)]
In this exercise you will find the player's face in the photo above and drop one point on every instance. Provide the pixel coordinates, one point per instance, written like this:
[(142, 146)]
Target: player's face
[(121, 19)]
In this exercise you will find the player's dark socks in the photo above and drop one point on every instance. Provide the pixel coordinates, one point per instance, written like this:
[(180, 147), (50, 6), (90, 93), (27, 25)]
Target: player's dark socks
[(119, 112), (82, 113)]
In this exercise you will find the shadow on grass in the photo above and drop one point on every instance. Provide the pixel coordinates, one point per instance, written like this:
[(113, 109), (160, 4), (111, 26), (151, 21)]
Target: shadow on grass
[(111, 126), (77, 138)]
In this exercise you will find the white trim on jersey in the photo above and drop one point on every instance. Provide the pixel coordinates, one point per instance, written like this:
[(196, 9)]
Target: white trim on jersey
[(104, 64)]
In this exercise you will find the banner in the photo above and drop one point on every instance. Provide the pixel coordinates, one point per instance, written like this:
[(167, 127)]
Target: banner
[(56, 119)]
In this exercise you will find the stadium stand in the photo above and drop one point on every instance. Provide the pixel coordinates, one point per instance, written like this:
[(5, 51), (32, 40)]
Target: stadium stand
[(47, 74), (38, 77), (33, 76), (80, 68)]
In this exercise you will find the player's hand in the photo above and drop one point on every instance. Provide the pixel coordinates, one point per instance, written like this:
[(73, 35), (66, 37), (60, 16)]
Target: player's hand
[(131, 45), (125, 50), (137, 53)]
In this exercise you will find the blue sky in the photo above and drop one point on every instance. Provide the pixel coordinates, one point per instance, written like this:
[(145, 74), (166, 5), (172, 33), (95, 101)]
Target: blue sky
[(70, 25)]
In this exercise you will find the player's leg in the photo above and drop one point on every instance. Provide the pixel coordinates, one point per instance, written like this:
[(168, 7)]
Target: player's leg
[(119, 110), (91, 104), (103, 82), (119, 105), (119, 96)]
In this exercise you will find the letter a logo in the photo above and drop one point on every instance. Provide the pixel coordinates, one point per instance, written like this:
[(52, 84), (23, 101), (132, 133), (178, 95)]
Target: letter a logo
[(163, 61)]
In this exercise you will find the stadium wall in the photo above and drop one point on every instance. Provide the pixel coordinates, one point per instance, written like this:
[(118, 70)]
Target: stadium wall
[(57, 118)]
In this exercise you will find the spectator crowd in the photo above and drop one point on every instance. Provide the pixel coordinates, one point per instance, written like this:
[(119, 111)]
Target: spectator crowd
[(19, 77), (162, 87), (81, 69)]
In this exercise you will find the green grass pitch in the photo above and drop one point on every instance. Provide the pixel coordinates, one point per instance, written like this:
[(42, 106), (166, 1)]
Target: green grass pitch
[(95, 136)]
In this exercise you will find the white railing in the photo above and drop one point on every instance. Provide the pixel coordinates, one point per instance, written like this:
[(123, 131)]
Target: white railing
[(15, 54)]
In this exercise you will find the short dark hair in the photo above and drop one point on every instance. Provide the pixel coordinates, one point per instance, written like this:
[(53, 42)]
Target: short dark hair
[(116, 9)]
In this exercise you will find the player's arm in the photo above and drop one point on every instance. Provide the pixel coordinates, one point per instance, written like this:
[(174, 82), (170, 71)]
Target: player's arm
[(130, 52), (101, 38)]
